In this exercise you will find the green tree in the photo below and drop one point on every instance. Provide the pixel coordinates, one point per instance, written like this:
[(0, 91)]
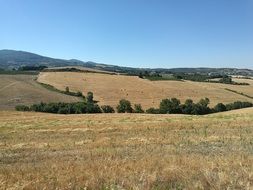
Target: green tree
[(138, 108), (170, 106), (22, 108), (201, 107), (187, 107), (79, 107), (204, 102), (80, 94), (165, 105), (175, 106), (89, 97), (63, 110), (67, 89), (220, 107), (124, 106), (107, 109), (93, 108), (153, 111)]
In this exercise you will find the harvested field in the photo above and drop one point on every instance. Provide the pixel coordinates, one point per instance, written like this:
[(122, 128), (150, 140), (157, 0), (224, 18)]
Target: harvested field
[(244, 89), (126, 151), (23, 89), (109, 89)]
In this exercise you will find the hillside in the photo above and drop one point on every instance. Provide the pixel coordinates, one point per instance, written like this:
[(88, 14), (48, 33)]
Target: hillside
[(109, 89), (126, 151), (10, 59), (15, 59), (23, 89)]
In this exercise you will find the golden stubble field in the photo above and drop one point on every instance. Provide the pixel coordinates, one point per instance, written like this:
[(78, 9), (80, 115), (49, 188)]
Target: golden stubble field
[(23, 89), (109, 89), (126, 151)]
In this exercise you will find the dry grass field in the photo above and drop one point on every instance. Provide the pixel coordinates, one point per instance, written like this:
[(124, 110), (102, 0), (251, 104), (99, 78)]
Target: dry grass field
[(109, 89), (22, 89), (126, 151), (244, 89)]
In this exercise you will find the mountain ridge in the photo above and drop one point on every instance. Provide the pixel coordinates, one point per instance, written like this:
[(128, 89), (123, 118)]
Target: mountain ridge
[(13, 59)]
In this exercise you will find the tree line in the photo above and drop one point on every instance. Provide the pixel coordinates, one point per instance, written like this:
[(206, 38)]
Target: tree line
[(167, 106), (224, 79)]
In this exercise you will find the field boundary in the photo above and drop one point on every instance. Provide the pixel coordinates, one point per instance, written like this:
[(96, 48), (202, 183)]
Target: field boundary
[(73, 69), (52, 88), (240, 93)]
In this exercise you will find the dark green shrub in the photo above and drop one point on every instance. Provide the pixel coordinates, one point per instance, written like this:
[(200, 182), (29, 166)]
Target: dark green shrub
[(79, 108), (138, 108), (80, 94), (93, 108), (187, 107), (170, 106), (51, 108), (124, 106), (63, 110), (165, 105), (22, 108), (107, 109), (89, 97), (201, 107), (220, 107), (238, 105), (153, 111), (38, 107)]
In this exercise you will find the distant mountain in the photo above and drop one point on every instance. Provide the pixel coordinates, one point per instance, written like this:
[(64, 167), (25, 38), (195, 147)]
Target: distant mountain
[(15, 59), (10, 59)]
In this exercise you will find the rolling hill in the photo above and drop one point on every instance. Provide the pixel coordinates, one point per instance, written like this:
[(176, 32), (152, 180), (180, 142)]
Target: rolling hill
[(15, 59), (10, 59), (109, 89), (23, 89)]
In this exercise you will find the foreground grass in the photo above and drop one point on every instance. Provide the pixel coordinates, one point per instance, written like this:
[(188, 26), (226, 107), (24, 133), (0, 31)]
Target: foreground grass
[(126, 151)]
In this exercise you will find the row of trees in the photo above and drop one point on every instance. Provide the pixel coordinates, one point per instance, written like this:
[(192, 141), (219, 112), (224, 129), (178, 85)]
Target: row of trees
[(225, 79), (173, 106), (32, 68), (167, 106)]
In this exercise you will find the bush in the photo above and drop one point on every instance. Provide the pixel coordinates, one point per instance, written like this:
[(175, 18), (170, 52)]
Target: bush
[(63, 110), (22, 108), (89, 97), (187, 107), (124, 106), (138, 108), (201, 107), (220, 107), (37, 107), (238, 105), (51, 108), (107, 109), (79, 108), (93, 108), (170, 106), (80, 94), (226, 80), (153, 111), (164, 106)]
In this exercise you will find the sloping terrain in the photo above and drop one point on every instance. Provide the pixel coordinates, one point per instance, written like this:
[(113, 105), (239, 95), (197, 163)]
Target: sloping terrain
[(23, 89), (126, 151), (14, 59), (109, 89)]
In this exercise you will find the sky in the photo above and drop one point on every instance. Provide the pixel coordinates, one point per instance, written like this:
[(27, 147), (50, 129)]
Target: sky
[(134, 33)]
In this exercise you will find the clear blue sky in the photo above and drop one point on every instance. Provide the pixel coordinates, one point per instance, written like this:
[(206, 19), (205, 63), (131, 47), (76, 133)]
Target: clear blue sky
[(136, 33)]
